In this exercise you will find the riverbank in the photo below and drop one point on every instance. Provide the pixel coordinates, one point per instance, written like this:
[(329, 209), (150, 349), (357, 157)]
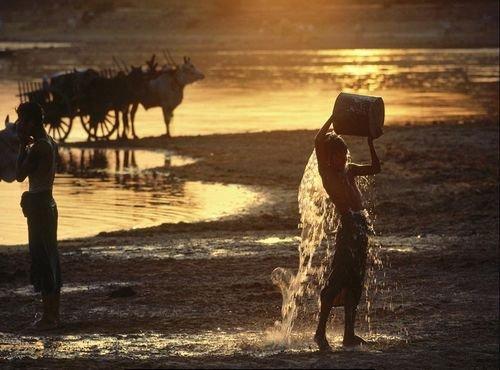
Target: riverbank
[(425, 168), (200, 295)]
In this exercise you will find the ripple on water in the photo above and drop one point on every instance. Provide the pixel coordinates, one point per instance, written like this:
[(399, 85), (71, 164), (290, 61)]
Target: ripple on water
[(23, 45)]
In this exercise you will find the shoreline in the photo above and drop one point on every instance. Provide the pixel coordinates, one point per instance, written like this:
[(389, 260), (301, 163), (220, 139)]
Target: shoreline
[(77, 42)]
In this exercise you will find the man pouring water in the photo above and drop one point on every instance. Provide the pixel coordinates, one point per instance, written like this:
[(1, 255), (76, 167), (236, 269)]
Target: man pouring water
[(353, 115)]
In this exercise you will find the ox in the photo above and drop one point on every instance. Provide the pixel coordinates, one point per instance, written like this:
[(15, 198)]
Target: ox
[(166, 90), (9, 147)]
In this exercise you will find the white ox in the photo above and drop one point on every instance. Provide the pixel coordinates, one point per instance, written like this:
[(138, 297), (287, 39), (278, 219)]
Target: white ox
[(9, 147), (167, 91)]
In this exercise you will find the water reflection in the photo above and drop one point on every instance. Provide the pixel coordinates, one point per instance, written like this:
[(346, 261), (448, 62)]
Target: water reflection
[(94, 162), (23, 45), (354, 68), (130, 169), (103, 190)]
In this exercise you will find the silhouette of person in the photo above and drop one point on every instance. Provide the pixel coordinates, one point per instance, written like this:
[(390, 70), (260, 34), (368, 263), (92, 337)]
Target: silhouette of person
[(37, 161), (345, 283)]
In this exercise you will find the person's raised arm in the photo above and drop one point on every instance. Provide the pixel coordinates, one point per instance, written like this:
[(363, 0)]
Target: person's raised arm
[(374, 168), (320, 143), (22, 156), (28, 160)]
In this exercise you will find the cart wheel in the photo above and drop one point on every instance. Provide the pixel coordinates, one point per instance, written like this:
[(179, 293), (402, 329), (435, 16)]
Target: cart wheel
[(100, 129), (59, 128)]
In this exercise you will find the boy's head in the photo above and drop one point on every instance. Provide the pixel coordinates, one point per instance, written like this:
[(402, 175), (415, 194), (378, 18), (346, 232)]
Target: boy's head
[(338, 152), (30, 119)]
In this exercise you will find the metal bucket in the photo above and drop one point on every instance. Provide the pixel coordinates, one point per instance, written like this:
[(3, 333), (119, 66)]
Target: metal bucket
[(358, 115)]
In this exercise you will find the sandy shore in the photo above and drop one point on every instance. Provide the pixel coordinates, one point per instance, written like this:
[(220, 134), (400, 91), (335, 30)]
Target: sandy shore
[(200, 295)]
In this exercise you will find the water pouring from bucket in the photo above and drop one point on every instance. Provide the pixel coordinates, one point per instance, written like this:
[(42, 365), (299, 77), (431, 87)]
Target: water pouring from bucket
[(334, 221)]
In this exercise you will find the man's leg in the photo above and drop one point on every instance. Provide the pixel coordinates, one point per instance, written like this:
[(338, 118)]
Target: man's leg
[(50, 315), (328, 294), (57, 300), (45, 309), (53, 309), (45, 319), (350, 308), (50, 275), (55, 269)]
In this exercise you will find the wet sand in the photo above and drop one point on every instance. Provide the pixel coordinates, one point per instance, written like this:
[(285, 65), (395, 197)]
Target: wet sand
[(200, 295)]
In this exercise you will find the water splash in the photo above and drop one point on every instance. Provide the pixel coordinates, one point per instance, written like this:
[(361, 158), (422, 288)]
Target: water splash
[(156, 345), (319, 222)]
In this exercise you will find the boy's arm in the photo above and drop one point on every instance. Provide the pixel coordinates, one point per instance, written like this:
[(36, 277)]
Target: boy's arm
[(374, 168), (22, 163), (28, 161), (320, 143)]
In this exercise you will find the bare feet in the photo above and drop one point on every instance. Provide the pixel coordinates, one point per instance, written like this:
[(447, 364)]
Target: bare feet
[(353, 341), (322, 343), (44, 323)]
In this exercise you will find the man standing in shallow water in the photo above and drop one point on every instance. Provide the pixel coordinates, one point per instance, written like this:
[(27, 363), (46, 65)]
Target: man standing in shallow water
[(345, 283), (37, 161)]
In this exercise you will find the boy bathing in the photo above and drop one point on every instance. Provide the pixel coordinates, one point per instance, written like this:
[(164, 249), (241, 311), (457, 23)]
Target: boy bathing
[(345, 283)]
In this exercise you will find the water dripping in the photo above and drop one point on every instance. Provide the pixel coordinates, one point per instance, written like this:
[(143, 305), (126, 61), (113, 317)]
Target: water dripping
[(318, 222)]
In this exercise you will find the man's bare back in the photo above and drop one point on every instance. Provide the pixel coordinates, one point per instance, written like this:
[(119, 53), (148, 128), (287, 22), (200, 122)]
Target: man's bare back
[(337, 175)]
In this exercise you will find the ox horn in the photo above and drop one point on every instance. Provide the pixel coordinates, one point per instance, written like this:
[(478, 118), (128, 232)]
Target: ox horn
[(125, 66), (166, 58), (172, 59), (151, 63), (117, 63)]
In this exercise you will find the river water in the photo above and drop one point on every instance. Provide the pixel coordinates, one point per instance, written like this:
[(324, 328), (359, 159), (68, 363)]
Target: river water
[(264, 90), (103, 190)]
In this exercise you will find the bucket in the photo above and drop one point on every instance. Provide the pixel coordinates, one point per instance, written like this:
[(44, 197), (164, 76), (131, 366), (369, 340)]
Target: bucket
[(358, 115)]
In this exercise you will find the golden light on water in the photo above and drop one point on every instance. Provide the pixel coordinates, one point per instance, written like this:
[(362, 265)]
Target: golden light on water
[(255, 90), (106, 190)]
